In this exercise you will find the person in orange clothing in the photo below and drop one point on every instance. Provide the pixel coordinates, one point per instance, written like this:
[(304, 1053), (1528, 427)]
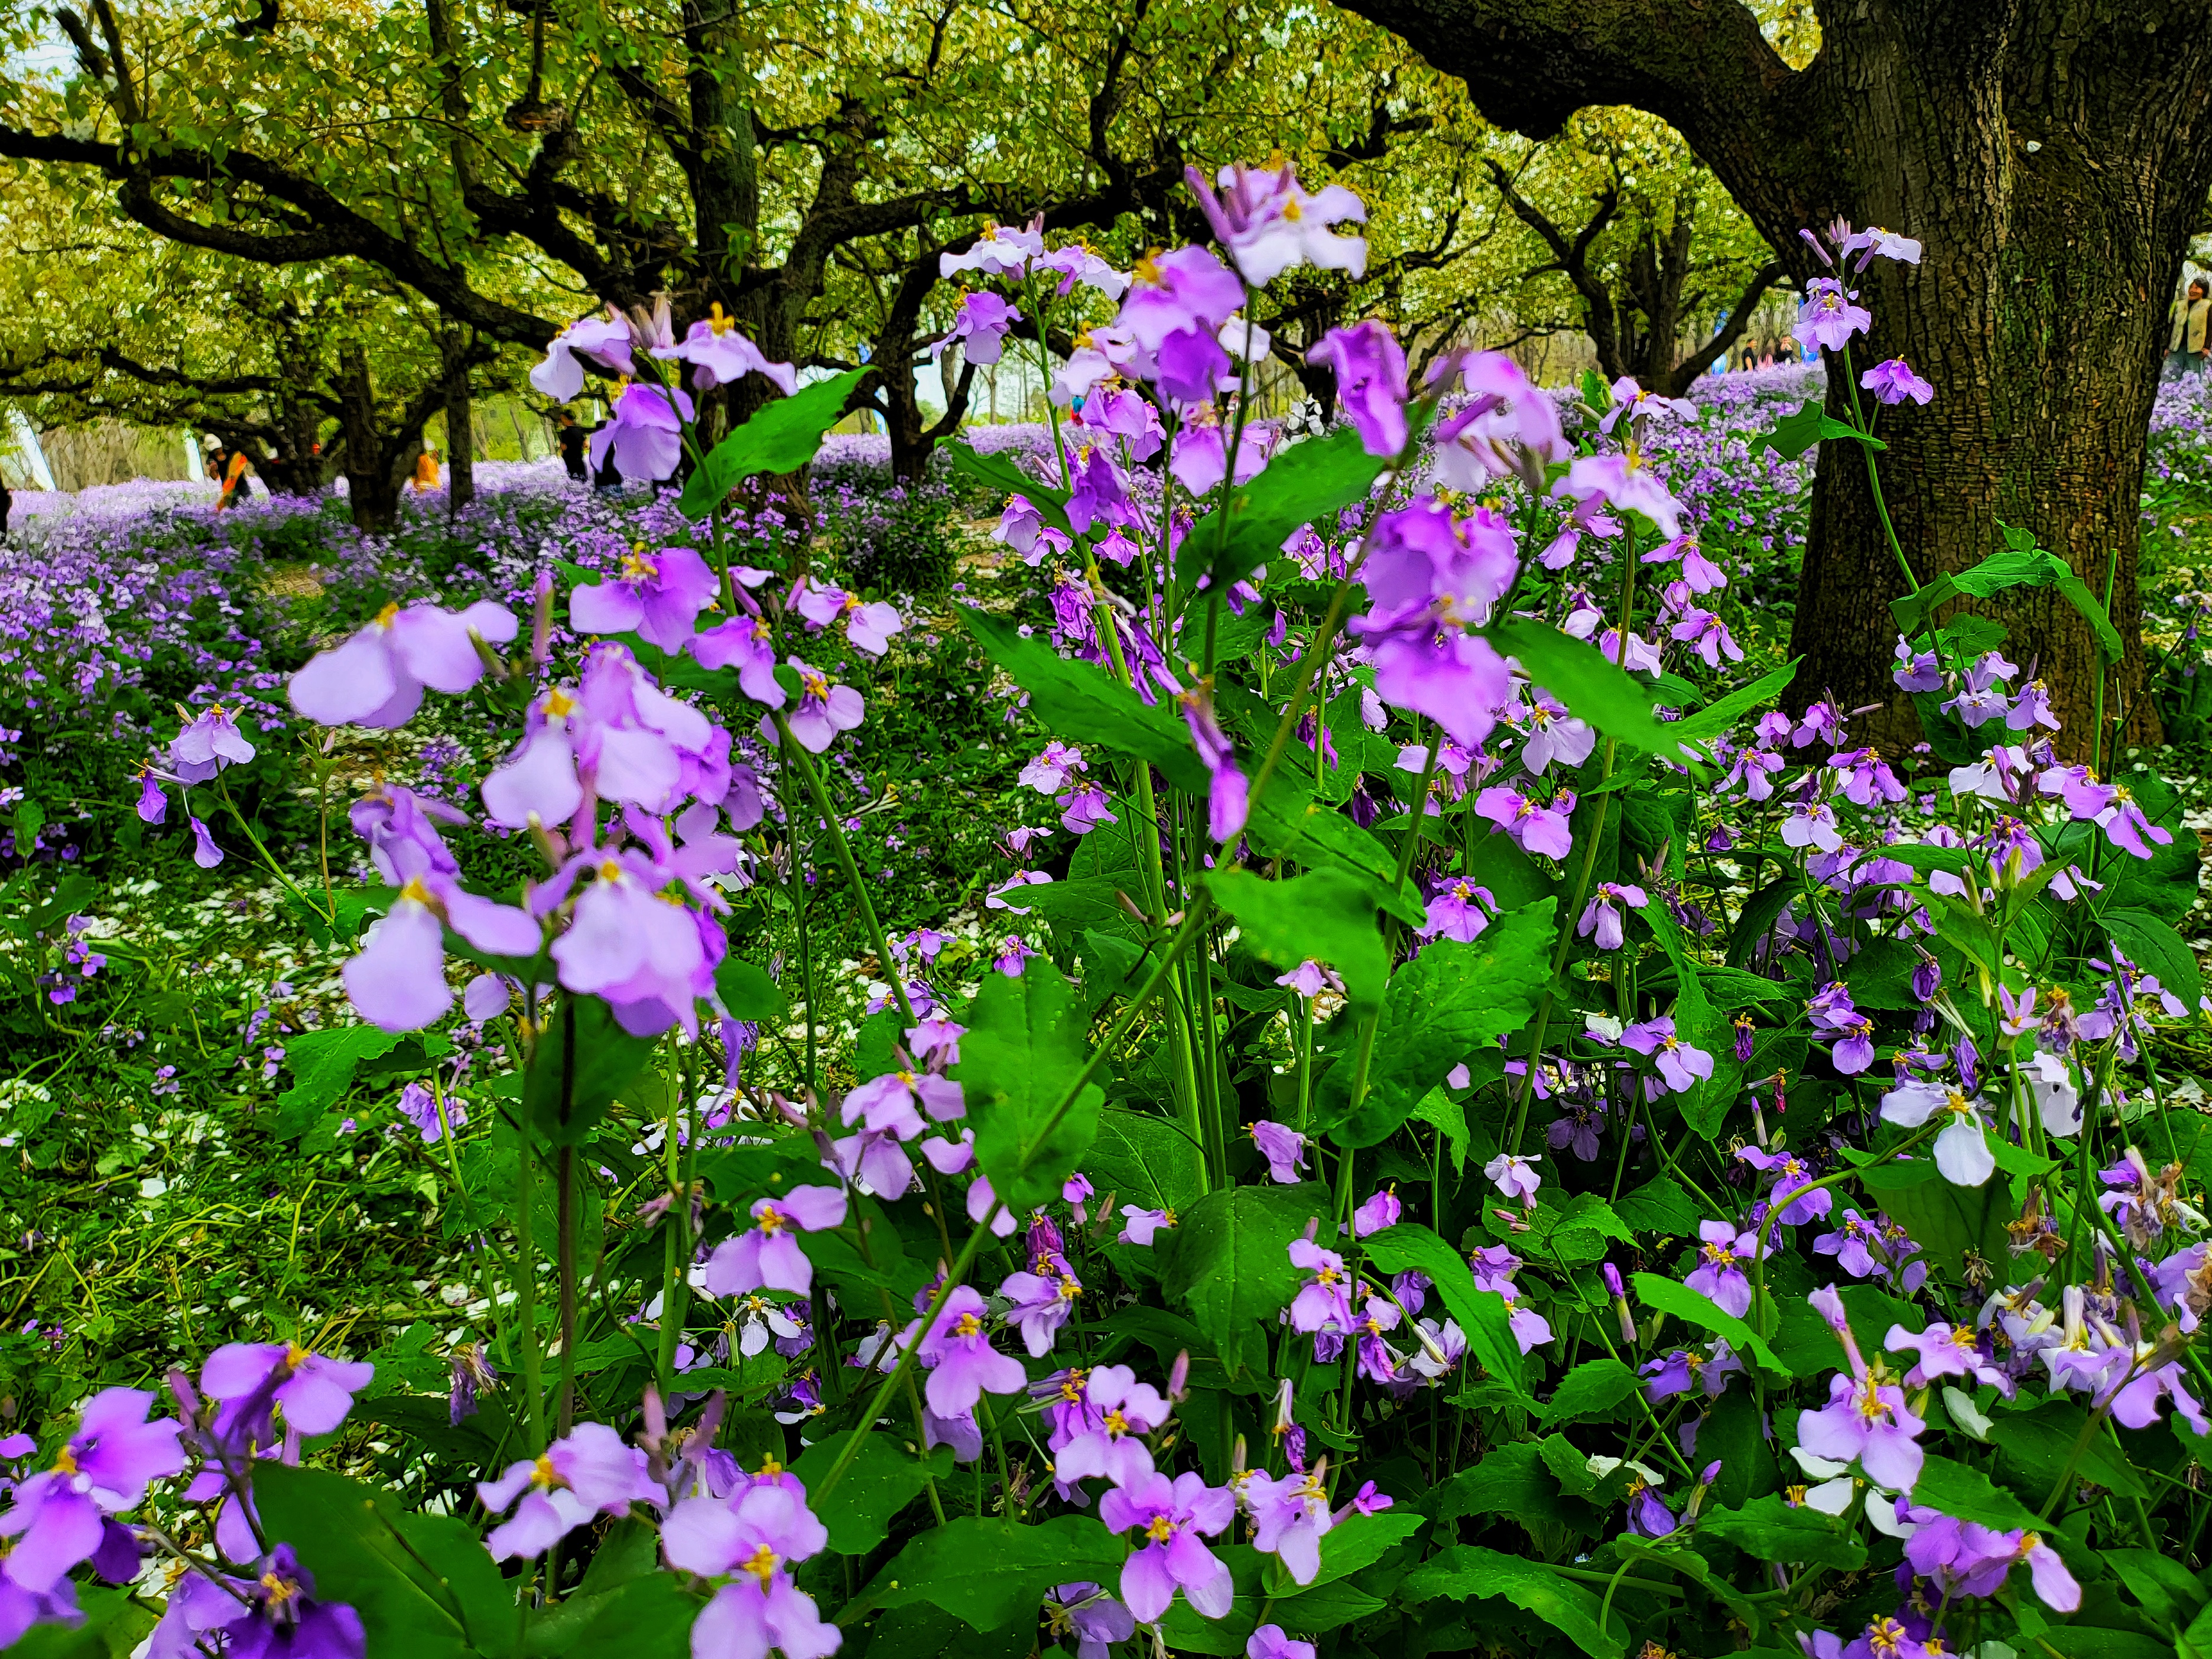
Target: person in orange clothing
[(233, 479), (426, 469)]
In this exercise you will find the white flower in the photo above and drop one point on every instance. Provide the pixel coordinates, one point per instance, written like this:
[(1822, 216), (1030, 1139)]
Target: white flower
[(1962, 1150), (2055, 1095)]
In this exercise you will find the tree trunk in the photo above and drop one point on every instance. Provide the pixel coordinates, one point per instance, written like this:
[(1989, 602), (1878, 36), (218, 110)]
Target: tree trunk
[(2051, 154), (373, 479), (460, 443)]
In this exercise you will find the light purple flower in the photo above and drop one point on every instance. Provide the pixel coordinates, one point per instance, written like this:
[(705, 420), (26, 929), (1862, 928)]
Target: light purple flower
[(58, 1516), (1289, 1516), (720, 356), (1536, 826), (1680, 1066), (1123, 1410), (1894, 381), (766, 1255), (868, 626), (1269, 224), (1830, 315), (1175, 1517), (963, 1365), (659, 596), (1719, 1275), (316, 1392), (1369, 366), (1285, 1149), (980, 326), (1963, 1154), (591, 1471), (604, 340), (1602, 916), (823, 710)]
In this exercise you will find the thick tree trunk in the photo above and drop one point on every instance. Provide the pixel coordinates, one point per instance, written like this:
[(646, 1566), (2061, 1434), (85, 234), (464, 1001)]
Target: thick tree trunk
[(460, 443), (373, 482), (2051, 154)]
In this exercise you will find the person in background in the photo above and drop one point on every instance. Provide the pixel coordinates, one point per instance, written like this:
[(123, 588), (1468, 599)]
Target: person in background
[(2191, 320), (233, 467), (6, 507), (571, 438), (1750, 360), (426, 469)]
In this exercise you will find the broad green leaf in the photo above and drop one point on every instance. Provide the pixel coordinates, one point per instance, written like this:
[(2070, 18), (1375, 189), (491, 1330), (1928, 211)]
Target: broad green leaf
[(1511, 1480), (1324, 915), (881, 1480), (1769, 1530), (1081, 703), (1288, 822), (1467, 1572), (1141, 1158), (992, 1573), (1230, 1263), (2170, 1593), (1023, 1051), (1658, 1206), (1967, 1494), (648, 1617), (1000, 472), (2153, 946), (1666, 1296), (1591, 1389), (1451, 1001), (738, 1175), (747, 992), (1806, 425), (1305, 482), (322, 1064), (353, 1539), (1592, 687), (1449, 1118), (584, 1060), (1481, 1315), (781, 437), (2039, 1445), (116, 1624)]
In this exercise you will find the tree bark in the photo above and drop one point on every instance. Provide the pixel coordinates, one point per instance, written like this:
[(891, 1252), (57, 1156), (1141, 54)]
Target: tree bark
[(374, 474), (2051, 154), (460, 441)]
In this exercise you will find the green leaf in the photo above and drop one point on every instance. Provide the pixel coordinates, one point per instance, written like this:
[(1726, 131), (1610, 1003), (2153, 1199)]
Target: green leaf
[(1658, 1206), (1697, 1023), (1719, 717), (1325, 915), (354, 1541), (115, 1625), (2170, 1593), (1449, 1118), (1467, 1572), (992, 1573), (1451, 1001), (1591, 1389), (1667, 1297), (1768, 1529), (1141, 1158), (1307, 482), (1081, 703), (646, 1617), (1796, 433), (738, 1175), (2153, 946), (1024, 1049), (1001, 472), (882, 1479), (1512, 1479), (747, 992), (1592, 689), (1288, 822), (1229, 1263), (583, 1062), (1481, 1315), (1967, 1494), (2040, 1445), (322, 1064), (781, 437)]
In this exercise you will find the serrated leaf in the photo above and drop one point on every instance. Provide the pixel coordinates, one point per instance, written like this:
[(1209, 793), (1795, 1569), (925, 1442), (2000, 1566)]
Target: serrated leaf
[(1023, 1050), (882, 1479), (1306, 483), (1143, 1159), (1229, 1263), (1591, 1389), (1323, 915)]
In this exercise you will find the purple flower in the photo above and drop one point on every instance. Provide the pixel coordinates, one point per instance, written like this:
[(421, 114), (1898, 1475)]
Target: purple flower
[(1095, 1619), (1381, 1211), (963, 1365), (1289, 1517), (657, 596), (316, 1392), (720, 356), (1602, 915), (206, 853), (377, 677), (1269, 224), (868, 626), (745, 641), (1227, 802), (1459, 909), (1186, 292), (766, 1255), (1042, 1300), (1143, 1224), (1791, 1174), (1268, 1642), (1680, 1065), (1866, 1417), (1920, 672), (981, 325), (1965, 1560), (1175, 1517), (591, 1471), (1626, 483), (1719, 1275), (1369, 366), (1536, 826), (1122, 1411), (1324, 1302), (1285, 1149), (823, 710), (1516, 1178), (273, 1615), (1945, 1350), (645, 431), (1830, 315), (604, 340), (57, 1517), (209, 741), (749, 1538), (1894, 381)]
